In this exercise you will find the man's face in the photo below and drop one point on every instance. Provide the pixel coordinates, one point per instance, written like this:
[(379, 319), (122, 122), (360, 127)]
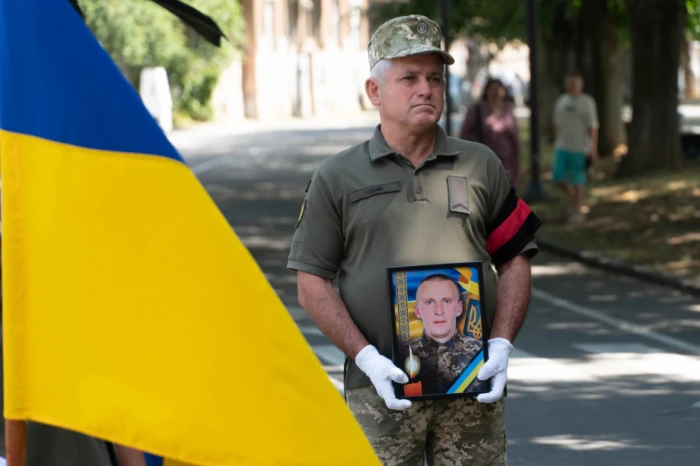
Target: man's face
[(413, 93), (574, 84), (438, 306)]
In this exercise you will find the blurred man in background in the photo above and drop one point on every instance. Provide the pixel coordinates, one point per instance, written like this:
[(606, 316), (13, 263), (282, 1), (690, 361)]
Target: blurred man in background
[(576, 144)]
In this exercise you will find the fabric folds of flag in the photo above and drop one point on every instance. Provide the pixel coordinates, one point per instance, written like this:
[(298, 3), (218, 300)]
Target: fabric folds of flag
[(132, 312)]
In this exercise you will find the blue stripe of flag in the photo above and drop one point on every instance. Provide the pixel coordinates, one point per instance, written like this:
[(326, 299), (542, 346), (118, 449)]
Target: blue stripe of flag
[(475, 362), (75, 102)]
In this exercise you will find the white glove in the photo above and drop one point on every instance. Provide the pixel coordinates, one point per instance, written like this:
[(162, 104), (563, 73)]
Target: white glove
[(381, 371), (496, 367)]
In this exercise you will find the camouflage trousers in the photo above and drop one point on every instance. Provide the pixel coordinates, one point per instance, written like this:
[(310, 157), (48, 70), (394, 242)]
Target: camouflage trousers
[(442, 432)]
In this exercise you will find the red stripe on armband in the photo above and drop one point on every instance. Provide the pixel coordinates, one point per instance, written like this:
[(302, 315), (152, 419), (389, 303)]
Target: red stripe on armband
[(508, 228)]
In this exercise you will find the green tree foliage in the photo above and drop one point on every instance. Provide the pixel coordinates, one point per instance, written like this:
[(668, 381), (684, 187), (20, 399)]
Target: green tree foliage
[(497, 21), (493, 20), (692, 27), (139, 33)]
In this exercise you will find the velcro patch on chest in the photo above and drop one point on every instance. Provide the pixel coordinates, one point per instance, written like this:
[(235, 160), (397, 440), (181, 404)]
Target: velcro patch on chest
[(374, 190), (458, 194)]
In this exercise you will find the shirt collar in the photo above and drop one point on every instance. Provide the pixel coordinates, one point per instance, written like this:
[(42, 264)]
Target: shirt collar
[(379, 148)]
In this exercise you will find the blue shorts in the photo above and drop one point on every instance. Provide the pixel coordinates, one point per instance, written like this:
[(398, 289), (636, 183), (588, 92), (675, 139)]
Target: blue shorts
[(569, 167)]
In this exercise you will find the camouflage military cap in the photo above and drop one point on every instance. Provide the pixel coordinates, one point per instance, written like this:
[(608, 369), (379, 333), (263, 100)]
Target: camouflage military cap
[(404, 36)]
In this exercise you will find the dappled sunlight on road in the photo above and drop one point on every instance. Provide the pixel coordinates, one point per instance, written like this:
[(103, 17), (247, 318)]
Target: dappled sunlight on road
[(557, 269), (610, 364), (578, 443)]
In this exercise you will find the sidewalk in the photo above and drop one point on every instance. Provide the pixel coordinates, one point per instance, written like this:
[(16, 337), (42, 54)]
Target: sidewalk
[(611, 264), (646, 227)]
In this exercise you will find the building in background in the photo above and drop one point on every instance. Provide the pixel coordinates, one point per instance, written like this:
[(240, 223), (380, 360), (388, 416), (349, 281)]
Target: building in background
[(301, 58)]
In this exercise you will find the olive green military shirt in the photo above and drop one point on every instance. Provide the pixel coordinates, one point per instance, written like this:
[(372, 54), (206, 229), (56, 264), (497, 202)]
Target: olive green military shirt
[(369, 208)]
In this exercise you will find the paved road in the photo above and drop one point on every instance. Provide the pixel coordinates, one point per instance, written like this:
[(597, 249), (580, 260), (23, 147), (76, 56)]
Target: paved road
[(606, 370)]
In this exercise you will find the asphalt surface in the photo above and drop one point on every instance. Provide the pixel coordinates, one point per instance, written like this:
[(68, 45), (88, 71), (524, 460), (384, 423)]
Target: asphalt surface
[(606, 370)]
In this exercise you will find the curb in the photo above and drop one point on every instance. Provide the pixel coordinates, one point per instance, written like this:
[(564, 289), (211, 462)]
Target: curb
[(601, 261)]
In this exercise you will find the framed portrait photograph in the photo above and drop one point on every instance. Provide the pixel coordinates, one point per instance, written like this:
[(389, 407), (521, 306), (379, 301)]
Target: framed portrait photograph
[(440, 338)]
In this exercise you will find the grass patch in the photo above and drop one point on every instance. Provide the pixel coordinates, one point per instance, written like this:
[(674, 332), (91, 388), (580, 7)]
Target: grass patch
[(652, 220)]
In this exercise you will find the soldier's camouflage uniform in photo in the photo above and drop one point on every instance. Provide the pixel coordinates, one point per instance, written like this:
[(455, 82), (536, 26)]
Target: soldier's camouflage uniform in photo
[(441, 364)]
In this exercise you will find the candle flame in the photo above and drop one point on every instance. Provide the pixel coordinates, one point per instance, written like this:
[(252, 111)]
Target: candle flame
[(412, 365)]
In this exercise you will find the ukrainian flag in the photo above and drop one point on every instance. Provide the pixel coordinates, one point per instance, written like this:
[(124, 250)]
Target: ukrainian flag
[(132, 312)]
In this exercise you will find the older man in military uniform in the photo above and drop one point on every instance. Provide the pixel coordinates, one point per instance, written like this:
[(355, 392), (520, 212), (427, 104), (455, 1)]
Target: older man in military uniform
[(443, 351), (411, 195)]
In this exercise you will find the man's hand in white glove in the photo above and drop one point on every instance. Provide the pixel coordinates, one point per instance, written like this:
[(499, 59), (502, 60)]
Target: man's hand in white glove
[(381, 371), (496, 367)]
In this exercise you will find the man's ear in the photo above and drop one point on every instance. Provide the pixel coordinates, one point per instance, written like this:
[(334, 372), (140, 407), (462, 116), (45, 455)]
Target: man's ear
[(416, 311), (372, 90), (460, 309)]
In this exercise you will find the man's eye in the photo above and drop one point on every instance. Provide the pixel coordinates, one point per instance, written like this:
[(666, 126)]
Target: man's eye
[(430, 301), (409, 78), (437, 80)]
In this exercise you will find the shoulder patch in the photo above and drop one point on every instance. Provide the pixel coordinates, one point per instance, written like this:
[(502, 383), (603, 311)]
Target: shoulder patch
[(301, 213)]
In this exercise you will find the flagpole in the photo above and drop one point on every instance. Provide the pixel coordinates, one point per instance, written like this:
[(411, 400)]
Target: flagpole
[(16, 442)]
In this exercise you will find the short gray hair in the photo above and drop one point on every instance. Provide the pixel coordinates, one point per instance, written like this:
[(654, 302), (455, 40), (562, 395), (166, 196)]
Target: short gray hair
[(380, 69)]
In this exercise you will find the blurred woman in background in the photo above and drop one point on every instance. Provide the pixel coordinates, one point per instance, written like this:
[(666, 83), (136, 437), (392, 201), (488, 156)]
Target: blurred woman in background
[(491, 121)]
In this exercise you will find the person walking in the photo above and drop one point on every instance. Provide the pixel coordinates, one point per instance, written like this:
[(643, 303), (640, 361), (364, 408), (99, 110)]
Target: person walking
[(576, 143), (491, 121)]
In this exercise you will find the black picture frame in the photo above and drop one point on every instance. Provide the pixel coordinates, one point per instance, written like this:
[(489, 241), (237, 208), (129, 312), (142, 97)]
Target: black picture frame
[(434, 379)]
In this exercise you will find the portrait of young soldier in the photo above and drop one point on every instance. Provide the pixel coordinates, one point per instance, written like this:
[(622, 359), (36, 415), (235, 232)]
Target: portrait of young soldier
[(442, 350)]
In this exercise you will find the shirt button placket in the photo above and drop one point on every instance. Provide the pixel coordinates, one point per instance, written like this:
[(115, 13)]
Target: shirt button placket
[(418, 188)]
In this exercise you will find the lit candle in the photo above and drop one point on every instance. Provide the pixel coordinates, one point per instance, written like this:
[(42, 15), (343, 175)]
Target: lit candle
[(412, 367), (413, 389)]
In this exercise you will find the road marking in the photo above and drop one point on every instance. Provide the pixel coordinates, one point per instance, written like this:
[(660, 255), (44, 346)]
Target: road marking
[(311, 331), (617, 323), (333, 359), (329, 354), (338, 368), (606, 348), (205, 166), (337, 384)]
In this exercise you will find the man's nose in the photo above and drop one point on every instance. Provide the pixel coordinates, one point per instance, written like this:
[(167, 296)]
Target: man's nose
[(424, 88), (439, 310)]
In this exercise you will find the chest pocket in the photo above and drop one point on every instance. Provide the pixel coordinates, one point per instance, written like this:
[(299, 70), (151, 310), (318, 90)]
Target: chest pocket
[(375, 190), (458, 194)]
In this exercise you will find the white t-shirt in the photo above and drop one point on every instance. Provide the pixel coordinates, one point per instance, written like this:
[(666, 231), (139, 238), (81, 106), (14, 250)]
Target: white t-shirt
[(574, 117)]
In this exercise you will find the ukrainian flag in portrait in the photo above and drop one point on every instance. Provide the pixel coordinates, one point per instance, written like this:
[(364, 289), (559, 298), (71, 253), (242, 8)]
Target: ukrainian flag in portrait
[(127, 296), (467, 279)]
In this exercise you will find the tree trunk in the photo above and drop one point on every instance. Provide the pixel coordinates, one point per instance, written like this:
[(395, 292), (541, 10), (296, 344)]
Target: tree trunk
[(557, 57), (656, 29), (688, 76), (605, 77)]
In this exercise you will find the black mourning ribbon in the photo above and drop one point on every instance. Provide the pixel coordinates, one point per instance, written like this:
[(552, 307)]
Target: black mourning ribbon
[(203, 24)]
